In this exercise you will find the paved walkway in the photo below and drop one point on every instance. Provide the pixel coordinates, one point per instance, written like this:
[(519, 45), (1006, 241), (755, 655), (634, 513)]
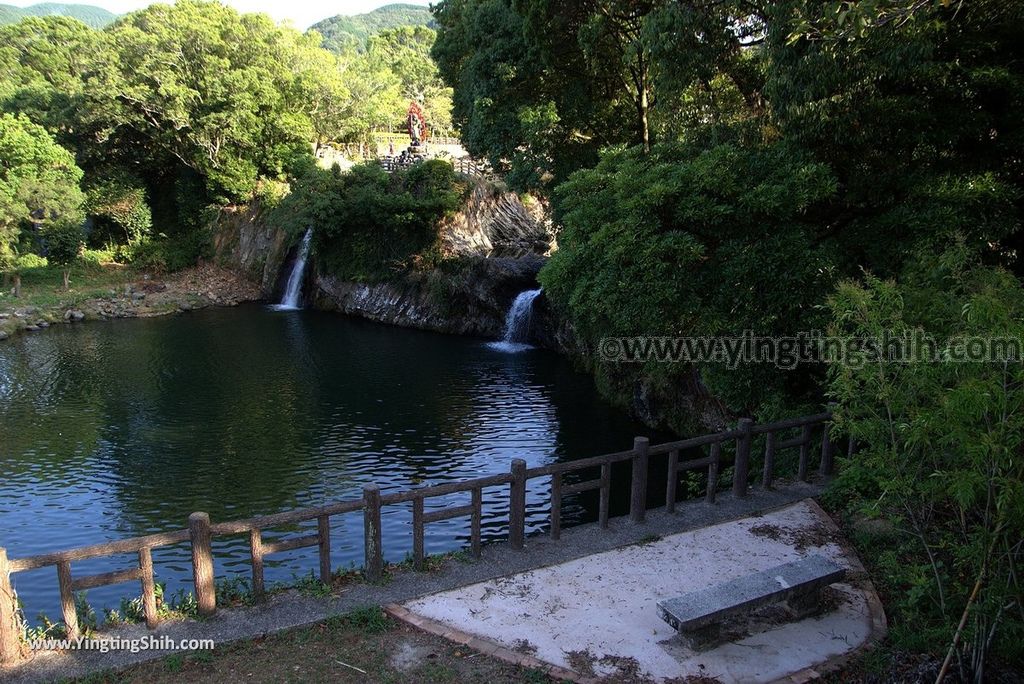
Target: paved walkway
[(292, 609), (597, 615)]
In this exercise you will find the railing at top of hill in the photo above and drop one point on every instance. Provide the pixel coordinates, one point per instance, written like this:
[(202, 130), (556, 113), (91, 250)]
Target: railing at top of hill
[(402, 138), (465, 166), (201, 531)]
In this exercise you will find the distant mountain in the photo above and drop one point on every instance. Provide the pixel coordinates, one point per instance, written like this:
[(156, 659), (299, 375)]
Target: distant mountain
[(96, 17), (341, 31)]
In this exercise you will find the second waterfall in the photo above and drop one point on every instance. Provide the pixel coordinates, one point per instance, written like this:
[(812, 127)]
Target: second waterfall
[(517, 323)]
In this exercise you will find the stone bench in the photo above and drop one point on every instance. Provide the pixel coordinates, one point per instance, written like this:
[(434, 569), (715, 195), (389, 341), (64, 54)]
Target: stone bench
[(698, 615)]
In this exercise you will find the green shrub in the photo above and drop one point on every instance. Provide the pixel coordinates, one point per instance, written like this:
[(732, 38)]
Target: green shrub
[(30, 260), (366, 620), (367, 224), (269, 193), (121, 214), (186, 250), (940, 454), (164, 254), (64, 242), (695, 241), (148, 255), (98, 257)]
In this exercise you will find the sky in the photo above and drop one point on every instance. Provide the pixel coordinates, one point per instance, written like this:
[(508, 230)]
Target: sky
[(302, 13)]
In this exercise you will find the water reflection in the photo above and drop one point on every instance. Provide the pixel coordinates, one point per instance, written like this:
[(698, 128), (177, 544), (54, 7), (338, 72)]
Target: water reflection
[(124, 428)]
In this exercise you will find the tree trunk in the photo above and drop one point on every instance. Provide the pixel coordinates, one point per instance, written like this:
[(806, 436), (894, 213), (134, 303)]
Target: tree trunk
[(17, 284), (643, 104), (645, 131), (67, 278)]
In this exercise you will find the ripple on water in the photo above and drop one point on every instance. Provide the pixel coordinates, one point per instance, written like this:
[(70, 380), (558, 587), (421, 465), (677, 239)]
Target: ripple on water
[(125, 428)]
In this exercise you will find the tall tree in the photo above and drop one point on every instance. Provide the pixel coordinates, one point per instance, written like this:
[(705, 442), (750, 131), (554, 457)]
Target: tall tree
[(44, 62), (406, 52), (205, 87), (39, 186), (572, 77)]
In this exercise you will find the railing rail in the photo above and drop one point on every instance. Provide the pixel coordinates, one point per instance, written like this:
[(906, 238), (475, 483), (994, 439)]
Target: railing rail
[(465, 166), (201, 531)]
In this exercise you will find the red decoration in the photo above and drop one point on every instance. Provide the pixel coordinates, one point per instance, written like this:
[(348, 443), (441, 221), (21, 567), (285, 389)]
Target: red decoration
[(416, 124)]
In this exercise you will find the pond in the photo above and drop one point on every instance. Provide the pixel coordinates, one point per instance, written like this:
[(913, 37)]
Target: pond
[(119, 429)]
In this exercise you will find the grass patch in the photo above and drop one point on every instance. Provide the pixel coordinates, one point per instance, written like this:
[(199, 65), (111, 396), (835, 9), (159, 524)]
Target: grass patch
[(42, 287), (363, 645), (365, 620), (649, 539), (310, 585)]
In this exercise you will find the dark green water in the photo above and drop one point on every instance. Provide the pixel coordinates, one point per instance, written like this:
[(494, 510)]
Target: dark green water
[(124, 428)]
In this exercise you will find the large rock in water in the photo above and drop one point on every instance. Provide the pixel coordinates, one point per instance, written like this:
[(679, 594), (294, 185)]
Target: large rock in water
[(494, 247), (469, 297), (495, 222)]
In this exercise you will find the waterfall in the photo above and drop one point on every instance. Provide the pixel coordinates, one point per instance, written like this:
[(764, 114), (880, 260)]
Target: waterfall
[(517, 323), (293, 291)]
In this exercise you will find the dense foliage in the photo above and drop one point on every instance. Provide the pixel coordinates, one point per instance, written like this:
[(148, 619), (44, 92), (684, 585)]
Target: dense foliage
[(696, 242), (405, 52), (39, 190), (174, 110), (941, 455), (542, 85), (119, 211), (827, 150), (64, 243), (372, 225), (780, 168)]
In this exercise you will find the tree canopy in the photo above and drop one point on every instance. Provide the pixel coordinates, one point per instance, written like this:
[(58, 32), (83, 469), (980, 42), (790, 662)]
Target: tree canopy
[(176, 108), (39, 183), (774, 127)]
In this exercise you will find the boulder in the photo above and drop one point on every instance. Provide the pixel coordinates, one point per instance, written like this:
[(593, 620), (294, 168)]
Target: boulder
[(496, 222)]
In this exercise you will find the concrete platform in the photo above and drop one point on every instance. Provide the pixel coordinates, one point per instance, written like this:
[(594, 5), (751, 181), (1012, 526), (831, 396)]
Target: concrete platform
[(597, 616), (295, 609)]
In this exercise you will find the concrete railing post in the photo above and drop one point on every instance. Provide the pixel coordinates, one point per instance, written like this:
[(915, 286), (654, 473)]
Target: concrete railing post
[(638, 490), (374, 568), (10, 642), (741, 471), (202, 563), (517, 505)]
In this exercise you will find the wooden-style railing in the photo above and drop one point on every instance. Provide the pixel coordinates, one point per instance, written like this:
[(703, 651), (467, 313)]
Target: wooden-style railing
[(465, 166), (201, 532)]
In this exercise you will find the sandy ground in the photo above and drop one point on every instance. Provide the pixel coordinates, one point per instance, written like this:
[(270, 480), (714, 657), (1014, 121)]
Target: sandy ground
[(597, 615)]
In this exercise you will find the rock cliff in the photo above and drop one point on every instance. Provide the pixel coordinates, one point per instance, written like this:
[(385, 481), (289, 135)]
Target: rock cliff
[(493, 250), (496, 222), (469, 296), (244, 243)]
